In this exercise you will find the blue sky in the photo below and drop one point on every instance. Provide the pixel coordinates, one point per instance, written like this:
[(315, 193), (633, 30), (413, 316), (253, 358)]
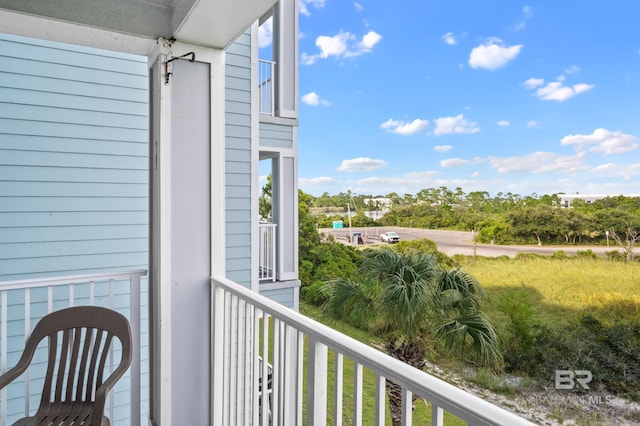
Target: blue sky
[(499, 96)]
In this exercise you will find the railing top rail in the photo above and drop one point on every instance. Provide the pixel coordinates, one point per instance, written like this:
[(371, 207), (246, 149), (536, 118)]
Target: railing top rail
[(266, 61), (458, 402), (73, 279)]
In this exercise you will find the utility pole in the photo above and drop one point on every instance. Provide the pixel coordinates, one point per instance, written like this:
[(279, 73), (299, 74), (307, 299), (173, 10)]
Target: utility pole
[(475, 258), (350, 232)]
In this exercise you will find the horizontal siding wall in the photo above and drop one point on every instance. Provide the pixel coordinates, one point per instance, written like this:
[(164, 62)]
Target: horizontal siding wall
[(276, 135), (73, 160), (73, 175), (238, 160), (284, 296)]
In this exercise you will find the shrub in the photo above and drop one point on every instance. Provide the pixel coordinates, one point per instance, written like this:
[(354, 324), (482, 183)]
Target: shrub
[(615, 256), (586, 254), (425, 246), (610, 352), (520, 331)]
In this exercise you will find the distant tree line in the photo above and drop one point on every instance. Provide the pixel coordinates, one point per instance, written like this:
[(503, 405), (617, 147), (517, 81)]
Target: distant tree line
[(506, 218)]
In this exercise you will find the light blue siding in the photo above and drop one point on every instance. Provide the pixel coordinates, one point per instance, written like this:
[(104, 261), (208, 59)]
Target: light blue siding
[(73, 181), (238, 160), (276, 135), (73, 159), (283, 296)]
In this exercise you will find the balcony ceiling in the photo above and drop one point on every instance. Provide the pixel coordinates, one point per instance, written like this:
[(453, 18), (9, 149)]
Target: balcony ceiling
[(211, 23)]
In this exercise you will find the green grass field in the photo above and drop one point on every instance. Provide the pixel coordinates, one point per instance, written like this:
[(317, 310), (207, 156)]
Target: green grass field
[(560, 289)]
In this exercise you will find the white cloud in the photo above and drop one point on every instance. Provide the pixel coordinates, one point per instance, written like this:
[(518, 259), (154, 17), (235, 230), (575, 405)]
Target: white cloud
[(504, 123), (527, 12), (532, 123), (605, 142), (450, 39), (532, 83), (454, 162), (333, 46), (539, 162), (313, 99), (493, 54), (457, 124), (265, 33), (408, 183), (555, 91), (405, 128), (358, 7), (321, 180), (303, 5), (342, 45), (573, 69), (618, 170), (369, 40), (443, 148), (361, 164)]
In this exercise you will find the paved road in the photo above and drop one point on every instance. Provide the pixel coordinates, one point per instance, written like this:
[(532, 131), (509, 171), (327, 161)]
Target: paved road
[(457, 242)]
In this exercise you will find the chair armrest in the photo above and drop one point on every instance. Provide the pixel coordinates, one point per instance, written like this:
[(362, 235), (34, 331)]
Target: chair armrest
[(15, 372), (103, 390)]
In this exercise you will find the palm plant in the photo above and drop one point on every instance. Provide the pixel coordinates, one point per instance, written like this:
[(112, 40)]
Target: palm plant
[(409, 297)]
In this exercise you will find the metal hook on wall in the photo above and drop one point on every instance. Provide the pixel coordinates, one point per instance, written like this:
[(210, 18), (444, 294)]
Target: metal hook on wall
[(191, 57)]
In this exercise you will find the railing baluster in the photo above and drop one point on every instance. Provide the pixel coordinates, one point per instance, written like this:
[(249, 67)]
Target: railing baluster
[(437, 415), (317, 382), (407, 407), (255, 365), (27, 332), (380, 400), (233, 362), (275, 372), (339, 371), (3, 357), (135, 318), (300, 385), (290, 352), (266, 385), (357, 394)]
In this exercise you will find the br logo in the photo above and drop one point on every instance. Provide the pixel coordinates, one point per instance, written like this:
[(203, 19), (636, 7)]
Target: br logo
[(567, 379)]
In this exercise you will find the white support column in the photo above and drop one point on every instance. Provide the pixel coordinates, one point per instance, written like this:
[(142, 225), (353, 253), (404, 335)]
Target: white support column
[(285, 50), (255, 160), (285, 212), (187, 226)]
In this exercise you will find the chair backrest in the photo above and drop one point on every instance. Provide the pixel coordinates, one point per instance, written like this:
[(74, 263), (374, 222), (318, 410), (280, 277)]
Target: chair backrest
[(79, 342)]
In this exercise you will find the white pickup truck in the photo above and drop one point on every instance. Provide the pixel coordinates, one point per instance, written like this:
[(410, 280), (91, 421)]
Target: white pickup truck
[(390, 237)]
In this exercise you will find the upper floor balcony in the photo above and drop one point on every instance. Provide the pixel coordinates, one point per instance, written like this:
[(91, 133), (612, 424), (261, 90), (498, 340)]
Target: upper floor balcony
[(266, 73), (302, 381)]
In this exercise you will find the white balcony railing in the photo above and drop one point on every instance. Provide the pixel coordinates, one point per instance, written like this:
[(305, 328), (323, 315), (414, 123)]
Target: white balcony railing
[(267, 247), (24, 302), (266, 73), (248, 328)]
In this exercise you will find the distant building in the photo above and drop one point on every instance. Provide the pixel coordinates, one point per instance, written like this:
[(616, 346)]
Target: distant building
[(378, 202), (566, 199)]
